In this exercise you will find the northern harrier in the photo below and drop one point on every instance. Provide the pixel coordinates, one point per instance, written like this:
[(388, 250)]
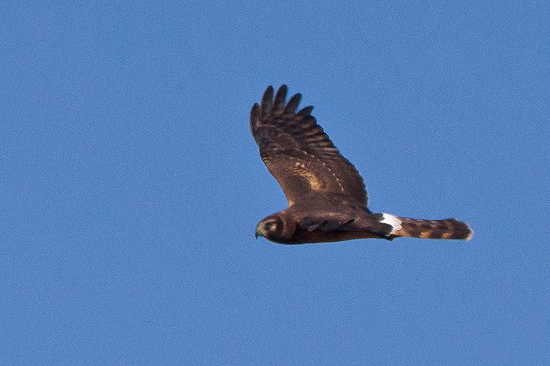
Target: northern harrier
[(327, 199)]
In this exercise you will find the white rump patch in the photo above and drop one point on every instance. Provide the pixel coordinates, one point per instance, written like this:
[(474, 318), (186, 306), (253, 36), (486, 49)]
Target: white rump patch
[(391, 220)]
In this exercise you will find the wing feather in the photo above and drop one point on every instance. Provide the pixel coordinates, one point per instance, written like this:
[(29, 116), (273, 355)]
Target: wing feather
[(267, 99), (293, 103), (299, 153), (280, 98), (306, 111)]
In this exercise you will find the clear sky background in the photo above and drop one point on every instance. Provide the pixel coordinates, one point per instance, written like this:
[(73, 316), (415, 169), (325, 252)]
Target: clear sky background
[(130, 186)]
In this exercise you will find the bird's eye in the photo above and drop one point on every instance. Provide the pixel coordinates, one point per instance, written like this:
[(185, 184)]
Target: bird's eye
[(270, 225)]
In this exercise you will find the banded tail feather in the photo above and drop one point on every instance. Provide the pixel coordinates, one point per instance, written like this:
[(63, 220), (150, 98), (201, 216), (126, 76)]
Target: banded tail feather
[(427, 229)]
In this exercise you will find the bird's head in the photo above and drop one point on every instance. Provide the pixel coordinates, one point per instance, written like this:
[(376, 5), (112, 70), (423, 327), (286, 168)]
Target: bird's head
[(275, 228)]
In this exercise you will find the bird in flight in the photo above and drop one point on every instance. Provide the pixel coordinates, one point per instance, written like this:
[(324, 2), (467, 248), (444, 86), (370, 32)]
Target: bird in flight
[(327, 199)]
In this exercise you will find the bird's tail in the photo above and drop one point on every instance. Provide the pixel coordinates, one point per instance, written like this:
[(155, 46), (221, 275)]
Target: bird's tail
[(427, 229)]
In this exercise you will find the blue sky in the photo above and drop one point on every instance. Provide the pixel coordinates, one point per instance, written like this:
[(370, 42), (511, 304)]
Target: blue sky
[(131, 187)]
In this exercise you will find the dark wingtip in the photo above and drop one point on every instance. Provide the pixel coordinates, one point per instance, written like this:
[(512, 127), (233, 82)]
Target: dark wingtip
[(267, 99), (293, 103), (280, 97), (272, 101), (305, 111), (254, 112)]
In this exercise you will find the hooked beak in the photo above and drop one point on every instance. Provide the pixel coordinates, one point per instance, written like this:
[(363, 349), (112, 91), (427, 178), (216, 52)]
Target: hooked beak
[(259, 231)]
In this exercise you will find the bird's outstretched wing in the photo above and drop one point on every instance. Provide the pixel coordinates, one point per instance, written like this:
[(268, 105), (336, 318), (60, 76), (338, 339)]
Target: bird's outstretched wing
[(299, 154)]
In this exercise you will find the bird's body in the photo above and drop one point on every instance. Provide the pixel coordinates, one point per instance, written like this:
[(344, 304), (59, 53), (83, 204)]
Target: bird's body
[(326, 195)]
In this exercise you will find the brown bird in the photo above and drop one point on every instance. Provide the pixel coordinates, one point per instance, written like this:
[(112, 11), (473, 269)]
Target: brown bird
[(327, 199)]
